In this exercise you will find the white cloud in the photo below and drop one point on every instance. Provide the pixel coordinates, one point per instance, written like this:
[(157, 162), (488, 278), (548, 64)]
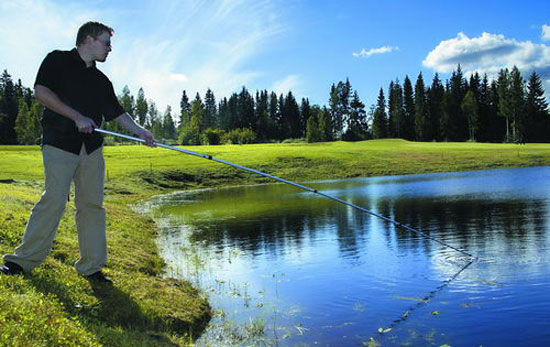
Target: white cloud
[(283, 86), (175, 45), (487, 53), (373, 51), (197, 45), (30, 29), (546, 32)]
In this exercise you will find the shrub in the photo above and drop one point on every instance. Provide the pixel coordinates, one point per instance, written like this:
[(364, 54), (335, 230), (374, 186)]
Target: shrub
[(240, 136), (187, 137), (298, 140), (212, 136)]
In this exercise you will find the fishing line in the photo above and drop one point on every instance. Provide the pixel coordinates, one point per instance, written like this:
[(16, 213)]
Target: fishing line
[(427, 298), (209, 157)]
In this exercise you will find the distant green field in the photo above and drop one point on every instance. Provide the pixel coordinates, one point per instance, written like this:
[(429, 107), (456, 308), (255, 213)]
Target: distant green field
[(296, 161)]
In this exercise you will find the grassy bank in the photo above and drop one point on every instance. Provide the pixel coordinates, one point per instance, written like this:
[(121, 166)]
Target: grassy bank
[(53, 306)]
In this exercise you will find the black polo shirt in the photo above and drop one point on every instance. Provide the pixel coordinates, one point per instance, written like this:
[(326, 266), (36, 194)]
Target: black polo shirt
[(85, 89)]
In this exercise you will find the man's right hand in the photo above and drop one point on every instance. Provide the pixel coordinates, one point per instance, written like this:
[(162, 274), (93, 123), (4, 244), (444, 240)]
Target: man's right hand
[(50, 100), (85, 125)]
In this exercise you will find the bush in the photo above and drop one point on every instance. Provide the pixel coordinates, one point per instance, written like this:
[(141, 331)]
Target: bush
[(352, 136), (298, 140), (187, 137), (109, 141), (240, 136), (212, 136)]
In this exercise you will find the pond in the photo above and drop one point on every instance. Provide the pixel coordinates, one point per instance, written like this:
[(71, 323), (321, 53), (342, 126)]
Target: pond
[(287, 267)]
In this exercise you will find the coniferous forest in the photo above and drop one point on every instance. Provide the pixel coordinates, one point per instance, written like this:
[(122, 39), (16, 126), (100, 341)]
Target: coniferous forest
[(505, 109)]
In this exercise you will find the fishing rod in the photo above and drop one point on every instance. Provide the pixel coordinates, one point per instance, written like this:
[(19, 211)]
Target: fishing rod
[(209, 157)]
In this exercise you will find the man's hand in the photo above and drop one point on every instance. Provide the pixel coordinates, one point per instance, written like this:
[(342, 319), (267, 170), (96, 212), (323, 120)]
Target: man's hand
[(146, 135), (85, 125), (50, 100), (128, 123)]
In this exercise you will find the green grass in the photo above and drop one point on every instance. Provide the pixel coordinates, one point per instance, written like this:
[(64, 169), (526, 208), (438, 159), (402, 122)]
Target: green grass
[(53, 306), (328, 160), (293, 161)]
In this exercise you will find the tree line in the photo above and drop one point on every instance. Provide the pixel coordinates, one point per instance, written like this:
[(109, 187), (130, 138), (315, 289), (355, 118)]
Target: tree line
[(506, 109), (241, 118)]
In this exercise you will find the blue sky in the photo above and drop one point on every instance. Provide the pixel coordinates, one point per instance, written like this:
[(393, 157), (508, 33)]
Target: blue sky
[(303, 45)]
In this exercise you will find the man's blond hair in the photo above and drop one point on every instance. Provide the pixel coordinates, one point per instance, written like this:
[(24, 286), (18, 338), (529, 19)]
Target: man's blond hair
[(93, 29)]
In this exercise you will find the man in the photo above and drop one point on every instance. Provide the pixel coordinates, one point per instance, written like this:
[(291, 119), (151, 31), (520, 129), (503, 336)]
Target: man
[(77, 97)]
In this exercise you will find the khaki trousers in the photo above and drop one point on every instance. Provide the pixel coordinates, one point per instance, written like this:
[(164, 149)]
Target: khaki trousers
[(88, 174)]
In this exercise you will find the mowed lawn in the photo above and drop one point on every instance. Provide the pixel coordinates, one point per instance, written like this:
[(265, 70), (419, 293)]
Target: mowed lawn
[(298, 161)]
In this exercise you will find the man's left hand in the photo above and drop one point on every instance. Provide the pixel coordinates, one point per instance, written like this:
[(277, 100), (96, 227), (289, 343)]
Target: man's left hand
[(148, 137)]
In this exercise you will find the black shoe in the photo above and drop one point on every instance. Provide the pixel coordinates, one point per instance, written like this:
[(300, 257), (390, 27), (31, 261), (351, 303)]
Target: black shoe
[(11, 268), (99, 277)]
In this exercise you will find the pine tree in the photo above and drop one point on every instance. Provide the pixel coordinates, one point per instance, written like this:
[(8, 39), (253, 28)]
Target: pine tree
[(471, 110), (475, 85), (223, 114), (290, 118), (185, 112), (281, 131), (336, 112), (325, 123), (210, 110), (484, 106), (156, 123), (273, 108), (380, 119), (266, 115), (458, 123), (447, 124), (339, 105), (497, 129), (511, 104), (357, 122), (196, 125), (420, 111), (434, 101), (233, 120), (141, 108), (262, 116), (37, 111), (245, 111), (23, 123), (127, 101), (8, 110), (517, 94), (391, 115), (168, 126), (305, 113), (503, 92), (537, 110), (345, 100), (408, 107), (313, 131), (396, 117), (24, 93)]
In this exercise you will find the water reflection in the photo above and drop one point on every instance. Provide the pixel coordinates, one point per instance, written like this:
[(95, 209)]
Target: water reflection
[(291, 244), (485, 225)]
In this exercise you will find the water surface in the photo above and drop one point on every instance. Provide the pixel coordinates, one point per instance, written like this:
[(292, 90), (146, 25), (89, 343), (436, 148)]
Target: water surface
[(290, 268)]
